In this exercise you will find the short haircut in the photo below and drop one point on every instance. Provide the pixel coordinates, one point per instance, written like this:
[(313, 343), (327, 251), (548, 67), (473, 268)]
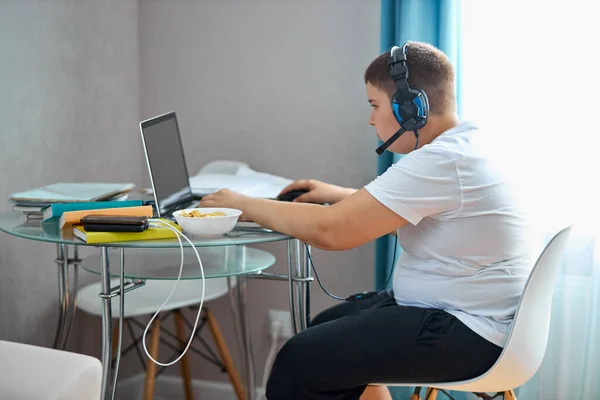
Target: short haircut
[(428, 69)]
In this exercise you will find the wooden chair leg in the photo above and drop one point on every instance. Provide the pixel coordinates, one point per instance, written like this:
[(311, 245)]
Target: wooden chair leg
[(376, 392), (416, 394), (431, 394), (184, 362), (234, 377), (509, 395), (151, 366)]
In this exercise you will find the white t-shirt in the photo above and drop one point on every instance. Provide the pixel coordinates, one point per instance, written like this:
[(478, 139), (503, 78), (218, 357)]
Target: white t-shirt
[(468, 246)]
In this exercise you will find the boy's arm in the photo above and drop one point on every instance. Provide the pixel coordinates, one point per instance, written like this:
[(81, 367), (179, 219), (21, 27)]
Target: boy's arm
[(349, 223)]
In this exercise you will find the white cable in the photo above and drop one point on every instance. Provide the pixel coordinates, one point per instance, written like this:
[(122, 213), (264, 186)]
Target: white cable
[(269, 361), (156, 223)]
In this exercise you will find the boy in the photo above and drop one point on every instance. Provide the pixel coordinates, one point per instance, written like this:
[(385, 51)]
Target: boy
[(467, 248)]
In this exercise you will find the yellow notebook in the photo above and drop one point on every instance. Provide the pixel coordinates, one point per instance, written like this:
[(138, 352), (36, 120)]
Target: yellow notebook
[(74, 217), (113, 237)]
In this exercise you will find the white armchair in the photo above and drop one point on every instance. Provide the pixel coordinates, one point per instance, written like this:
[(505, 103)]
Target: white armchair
[(31, 373)]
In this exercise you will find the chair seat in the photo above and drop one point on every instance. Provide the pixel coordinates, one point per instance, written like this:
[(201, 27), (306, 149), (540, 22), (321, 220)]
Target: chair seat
[(33, 372), (148, 298)]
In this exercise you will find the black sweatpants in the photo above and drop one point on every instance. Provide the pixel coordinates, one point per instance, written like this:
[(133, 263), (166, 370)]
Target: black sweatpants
[(375, 340)]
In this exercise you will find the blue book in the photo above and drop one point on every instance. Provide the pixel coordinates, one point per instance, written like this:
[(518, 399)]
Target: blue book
[(57, 209)]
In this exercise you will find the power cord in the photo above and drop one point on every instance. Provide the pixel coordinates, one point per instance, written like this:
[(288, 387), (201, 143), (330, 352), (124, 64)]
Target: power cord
[(356, 296), (276, 330), (157, 223)]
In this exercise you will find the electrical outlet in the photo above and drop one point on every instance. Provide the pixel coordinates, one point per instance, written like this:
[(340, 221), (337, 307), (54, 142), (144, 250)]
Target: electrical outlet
[(284, 319)]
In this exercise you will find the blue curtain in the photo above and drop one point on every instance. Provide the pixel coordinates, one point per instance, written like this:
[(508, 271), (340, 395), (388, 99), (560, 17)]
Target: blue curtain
[(435, 22)]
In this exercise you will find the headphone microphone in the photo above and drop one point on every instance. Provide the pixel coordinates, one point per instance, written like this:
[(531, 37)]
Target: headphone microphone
[(388, 142), (410, 105)]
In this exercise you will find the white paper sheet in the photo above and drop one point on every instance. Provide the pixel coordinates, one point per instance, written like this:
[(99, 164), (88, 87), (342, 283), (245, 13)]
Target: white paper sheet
[(245, 181)]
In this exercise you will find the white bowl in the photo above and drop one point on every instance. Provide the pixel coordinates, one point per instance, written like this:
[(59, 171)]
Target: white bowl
[(208, 226)]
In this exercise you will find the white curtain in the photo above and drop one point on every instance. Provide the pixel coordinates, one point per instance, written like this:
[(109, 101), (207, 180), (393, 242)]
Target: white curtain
[(571, 366), (529, 78)]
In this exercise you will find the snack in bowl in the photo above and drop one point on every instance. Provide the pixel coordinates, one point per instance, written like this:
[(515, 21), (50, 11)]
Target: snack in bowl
[(198, 214), (207, 221)]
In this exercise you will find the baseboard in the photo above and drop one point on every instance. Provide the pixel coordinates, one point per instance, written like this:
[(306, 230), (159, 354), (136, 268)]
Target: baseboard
[(171, 388)]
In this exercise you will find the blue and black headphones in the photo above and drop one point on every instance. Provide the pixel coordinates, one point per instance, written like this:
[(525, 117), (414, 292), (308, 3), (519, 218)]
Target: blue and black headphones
[(410, 105)]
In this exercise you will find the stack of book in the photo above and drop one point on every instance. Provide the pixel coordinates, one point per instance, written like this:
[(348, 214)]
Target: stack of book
[(32, 203), (68, 203)]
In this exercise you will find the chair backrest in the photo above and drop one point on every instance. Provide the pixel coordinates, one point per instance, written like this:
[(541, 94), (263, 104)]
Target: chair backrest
[(526, 345)]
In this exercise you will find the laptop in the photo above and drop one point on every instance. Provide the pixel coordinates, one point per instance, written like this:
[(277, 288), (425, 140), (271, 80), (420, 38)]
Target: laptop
[(166, 164), (168, 170)]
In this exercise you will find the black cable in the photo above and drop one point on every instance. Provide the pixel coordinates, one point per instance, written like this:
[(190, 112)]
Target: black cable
[(359, 296), (317, 276), (352, 297), (417, 136)]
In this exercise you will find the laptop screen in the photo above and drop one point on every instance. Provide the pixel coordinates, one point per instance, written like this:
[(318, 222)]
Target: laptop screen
[(166, 162)]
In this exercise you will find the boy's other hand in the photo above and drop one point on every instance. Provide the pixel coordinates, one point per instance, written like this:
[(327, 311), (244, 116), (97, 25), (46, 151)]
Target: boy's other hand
[(317, 191)]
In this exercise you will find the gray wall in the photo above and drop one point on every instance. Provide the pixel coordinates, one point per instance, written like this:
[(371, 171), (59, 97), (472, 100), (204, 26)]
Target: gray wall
[(69, 101), (277, 84)]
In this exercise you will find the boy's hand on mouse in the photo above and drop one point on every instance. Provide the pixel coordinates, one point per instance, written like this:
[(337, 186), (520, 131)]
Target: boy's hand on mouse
[(317, 191)]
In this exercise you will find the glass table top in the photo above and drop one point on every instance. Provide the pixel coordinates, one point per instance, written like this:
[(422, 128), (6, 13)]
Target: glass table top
[(16, 223), (155, 263)]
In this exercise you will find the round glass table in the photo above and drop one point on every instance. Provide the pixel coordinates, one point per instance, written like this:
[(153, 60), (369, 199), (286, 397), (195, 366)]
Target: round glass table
[(16, 224), (224, 256)]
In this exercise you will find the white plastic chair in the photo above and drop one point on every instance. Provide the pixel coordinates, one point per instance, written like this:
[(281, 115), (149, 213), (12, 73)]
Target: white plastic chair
[(146, 300), (30, 372), (526, 345)]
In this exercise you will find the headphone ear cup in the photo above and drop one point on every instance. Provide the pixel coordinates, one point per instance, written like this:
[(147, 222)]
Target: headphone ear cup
[(422, 103), (396, 109)]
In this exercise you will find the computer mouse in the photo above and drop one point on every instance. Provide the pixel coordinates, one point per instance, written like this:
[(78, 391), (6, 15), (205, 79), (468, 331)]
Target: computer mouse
[(289, 196)]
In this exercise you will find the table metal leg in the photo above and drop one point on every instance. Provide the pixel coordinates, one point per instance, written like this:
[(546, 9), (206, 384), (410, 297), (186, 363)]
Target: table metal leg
[(106, 323), (121, 313), (245, 330), (301, 285), (67, 293), (71, 290), (236, 323), (291, 275), (62, 260), (308, 276), (299, 272)]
